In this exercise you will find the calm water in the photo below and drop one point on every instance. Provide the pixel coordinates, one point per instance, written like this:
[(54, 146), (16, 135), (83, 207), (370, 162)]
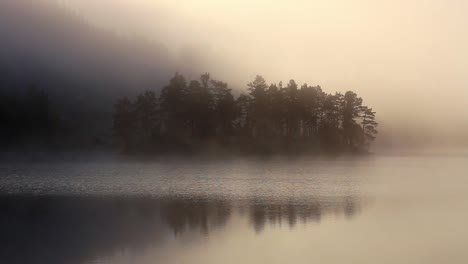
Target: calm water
[(380, 209)]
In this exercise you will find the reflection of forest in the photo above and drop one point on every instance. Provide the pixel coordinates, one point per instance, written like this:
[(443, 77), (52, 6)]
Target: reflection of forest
[(291, 212), (57, 230), (202, 214), (80, 229)]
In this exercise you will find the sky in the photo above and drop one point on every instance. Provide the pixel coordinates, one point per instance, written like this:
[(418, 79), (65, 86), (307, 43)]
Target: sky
[(407, 59)]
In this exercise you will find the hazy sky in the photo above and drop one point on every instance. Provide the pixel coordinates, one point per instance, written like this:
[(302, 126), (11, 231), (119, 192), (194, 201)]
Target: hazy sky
[(406, 58)]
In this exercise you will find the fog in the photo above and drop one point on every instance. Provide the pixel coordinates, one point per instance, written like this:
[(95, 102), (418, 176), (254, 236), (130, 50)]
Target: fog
[(406, 59)]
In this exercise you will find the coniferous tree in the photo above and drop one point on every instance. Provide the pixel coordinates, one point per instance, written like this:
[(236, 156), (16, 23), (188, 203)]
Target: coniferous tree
[(146, 118), (330, 121), (173, 104), (200, 108), (310, 100), (352, 106), (369, 126), (276, 109), (259, 107), (225, 109), (270, 118), (292, 109), (242, 123)]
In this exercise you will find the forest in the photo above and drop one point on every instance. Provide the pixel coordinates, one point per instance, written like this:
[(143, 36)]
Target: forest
[(49, 103), (204, 115), (26, 118)]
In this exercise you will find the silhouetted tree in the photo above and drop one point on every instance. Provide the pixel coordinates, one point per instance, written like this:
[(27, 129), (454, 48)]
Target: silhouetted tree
[(259, 105), (276, 109), (352, 107), (173, 103), (310, 101), (369, 126), (225, 109), (243, 123), (271, 118), (330, 121), (200, 107), (292, 115), (146, 117)]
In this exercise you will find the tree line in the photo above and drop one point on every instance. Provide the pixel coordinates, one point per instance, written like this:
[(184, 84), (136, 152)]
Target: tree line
[(32, 118), (26, 118), (203, 114)]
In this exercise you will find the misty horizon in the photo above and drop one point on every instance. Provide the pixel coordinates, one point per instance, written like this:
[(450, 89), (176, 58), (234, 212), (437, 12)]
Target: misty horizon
[(233, 131), (402, 90), (385, 49)]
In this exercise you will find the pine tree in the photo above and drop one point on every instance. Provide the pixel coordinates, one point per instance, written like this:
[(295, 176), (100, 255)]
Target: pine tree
[(173, 103), (352, 107), (369, 126)]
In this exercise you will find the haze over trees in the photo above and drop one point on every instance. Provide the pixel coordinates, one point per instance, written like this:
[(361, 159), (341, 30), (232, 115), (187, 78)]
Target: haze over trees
[(60, 75), (203, 114), (56, 90)]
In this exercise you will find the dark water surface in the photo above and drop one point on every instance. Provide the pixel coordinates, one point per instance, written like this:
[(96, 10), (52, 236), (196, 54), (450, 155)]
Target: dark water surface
[(376, 209)]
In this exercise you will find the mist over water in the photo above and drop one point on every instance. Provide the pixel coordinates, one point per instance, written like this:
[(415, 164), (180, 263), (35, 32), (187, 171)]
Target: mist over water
[(377, 209), (113, 148)]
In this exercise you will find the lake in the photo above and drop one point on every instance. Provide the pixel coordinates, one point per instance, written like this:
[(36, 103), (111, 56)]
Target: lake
[(372, 209)]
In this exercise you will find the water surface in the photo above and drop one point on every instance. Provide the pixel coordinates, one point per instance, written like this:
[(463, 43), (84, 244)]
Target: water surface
[(376, 209)]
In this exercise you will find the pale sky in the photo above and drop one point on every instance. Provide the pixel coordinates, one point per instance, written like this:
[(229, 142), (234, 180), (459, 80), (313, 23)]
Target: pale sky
[(407, 59)]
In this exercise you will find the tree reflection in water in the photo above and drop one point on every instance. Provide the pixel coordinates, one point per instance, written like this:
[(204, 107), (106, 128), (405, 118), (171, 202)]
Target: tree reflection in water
[(57, 229), (291, 212)]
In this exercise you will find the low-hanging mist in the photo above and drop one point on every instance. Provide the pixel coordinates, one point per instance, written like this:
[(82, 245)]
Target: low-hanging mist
[(406, 59)]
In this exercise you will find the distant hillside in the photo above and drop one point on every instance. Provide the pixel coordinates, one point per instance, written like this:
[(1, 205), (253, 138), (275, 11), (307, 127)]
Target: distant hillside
[(45, 44), (82, 68)]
